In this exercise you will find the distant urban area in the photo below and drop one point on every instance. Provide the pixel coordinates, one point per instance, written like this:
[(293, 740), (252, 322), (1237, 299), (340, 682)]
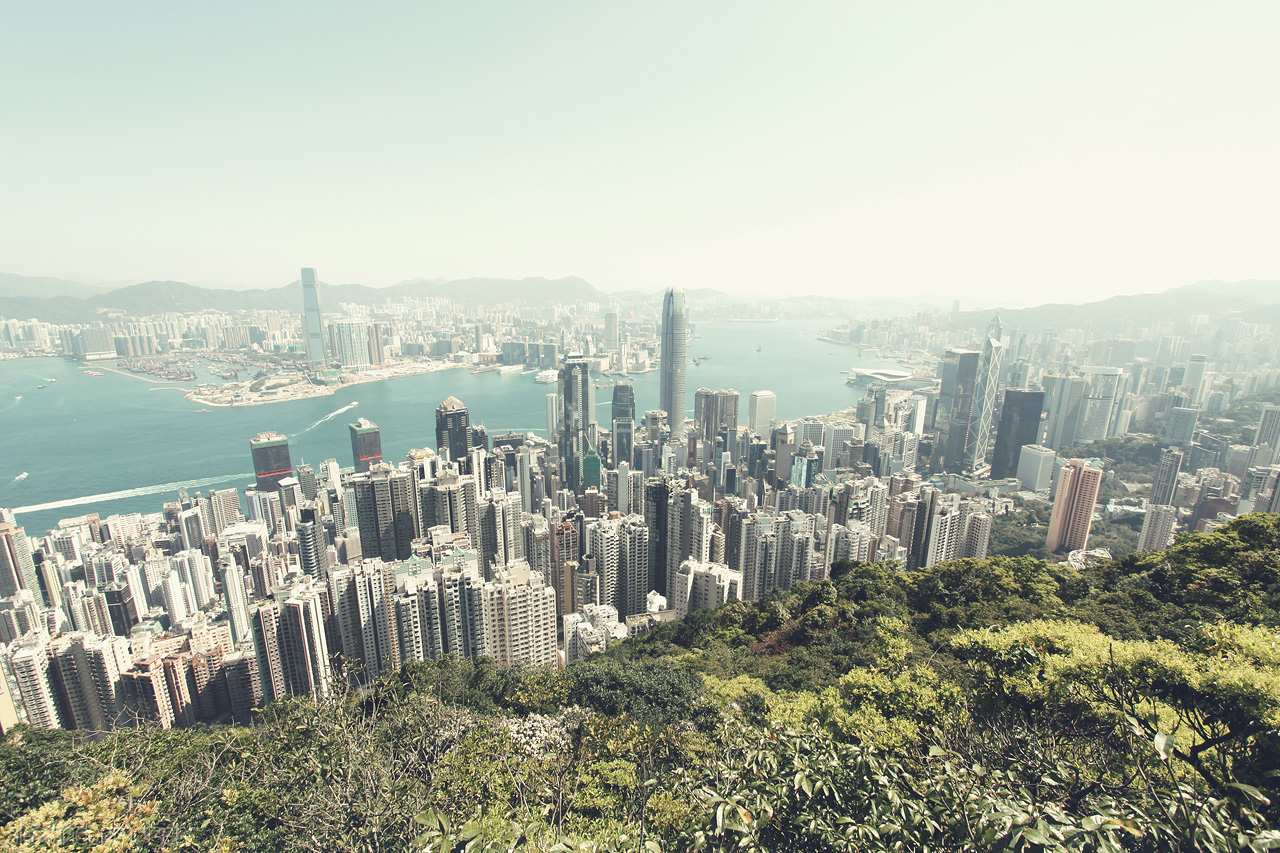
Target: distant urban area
[(1073, 434)]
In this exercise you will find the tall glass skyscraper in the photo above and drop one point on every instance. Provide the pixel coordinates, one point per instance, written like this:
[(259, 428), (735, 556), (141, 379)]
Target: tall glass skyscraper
[(675, 337), (311, 318)]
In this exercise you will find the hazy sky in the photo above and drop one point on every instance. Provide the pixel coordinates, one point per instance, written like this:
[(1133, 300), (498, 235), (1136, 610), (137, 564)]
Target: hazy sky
[(1023, 151)]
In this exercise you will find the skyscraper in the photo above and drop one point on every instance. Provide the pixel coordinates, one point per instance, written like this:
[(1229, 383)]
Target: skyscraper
[(577, 433), (312, 320), (984, 398), (366, 444), (1157, 528), (624, 401), (351, 342), (675, 324), (1019, 426), (959, 374), (17, 567), (271, 461), (762, 409), (1072, 517), (387, 512), (453, 429), (1166, 482)]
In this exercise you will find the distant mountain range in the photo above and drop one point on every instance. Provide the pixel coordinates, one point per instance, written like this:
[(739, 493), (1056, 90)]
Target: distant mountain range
[(1253, 300), (58, 300)]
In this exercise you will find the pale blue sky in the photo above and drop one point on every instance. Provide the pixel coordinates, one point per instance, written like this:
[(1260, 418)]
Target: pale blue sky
[(1018, 151)]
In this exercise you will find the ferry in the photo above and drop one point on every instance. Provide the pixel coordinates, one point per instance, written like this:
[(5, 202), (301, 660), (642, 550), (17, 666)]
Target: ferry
[(94, 373), (508, 369), (547, 377)]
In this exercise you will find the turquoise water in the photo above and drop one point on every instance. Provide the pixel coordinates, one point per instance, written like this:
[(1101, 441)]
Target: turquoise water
[(115, 443)]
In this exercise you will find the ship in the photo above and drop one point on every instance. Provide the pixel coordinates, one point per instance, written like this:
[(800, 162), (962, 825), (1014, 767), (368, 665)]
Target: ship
[(547, 377)]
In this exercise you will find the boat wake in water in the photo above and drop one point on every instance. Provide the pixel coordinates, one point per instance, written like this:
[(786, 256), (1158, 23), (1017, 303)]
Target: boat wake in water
[(131, 493), (330, 417)]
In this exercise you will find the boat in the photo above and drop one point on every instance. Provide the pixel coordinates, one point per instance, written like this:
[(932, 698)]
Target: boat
[(21, 476), (42, 386), (547, 377)]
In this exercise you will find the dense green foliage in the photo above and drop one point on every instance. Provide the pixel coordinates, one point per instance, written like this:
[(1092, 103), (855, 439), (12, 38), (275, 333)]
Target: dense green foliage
[(1005, 703)]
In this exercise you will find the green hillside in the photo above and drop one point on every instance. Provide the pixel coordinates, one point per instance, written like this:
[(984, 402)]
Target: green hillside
[(1002, 704)]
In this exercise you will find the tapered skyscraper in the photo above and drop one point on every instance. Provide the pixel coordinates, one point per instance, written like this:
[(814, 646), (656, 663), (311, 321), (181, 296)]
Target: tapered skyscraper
[(675, 325), (311, 319)]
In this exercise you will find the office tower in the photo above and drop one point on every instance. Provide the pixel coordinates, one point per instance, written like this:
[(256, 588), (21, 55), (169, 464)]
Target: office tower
[(271, 460), (984, 398), (1182, 425), (1035, 467), (453, 430), (387, 512), (1063, 403), (675, 323), (623, 441), (17, 568), (366, 444), (314, 326), (313, 552), (1157, 527), (611, 340), (1165, 485), (1100, 404), (191, 528), (624, 401), (350, 342), (236, 600), (577, 432), (958, 372), (1193, 378), (1072, 516), (761, 411), (520, 616), (308, 482), (1268, 432), (1019, 426)]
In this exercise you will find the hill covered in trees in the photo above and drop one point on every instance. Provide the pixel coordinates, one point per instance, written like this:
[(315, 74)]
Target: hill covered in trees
[(977, 705)]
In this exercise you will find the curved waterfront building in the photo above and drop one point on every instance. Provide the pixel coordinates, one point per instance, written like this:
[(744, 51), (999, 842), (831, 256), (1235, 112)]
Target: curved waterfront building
[(675, 338)]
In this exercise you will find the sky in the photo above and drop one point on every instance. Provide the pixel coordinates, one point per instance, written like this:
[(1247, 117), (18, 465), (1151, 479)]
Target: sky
[(1013, 151)]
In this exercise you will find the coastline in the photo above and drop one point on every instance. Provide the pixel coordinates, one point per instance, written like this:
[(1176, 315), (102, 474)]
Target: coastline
[(397, 371)]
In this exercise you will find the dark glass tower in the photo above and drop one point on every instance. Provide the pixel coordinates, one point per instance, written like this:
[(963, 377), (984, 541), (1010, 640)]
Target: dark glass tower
[(578, 429), (453, 429), (959, 374), (624, 401), (312, 320), (1019, 426), (366, 444), (271, 462), (675, 327)]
